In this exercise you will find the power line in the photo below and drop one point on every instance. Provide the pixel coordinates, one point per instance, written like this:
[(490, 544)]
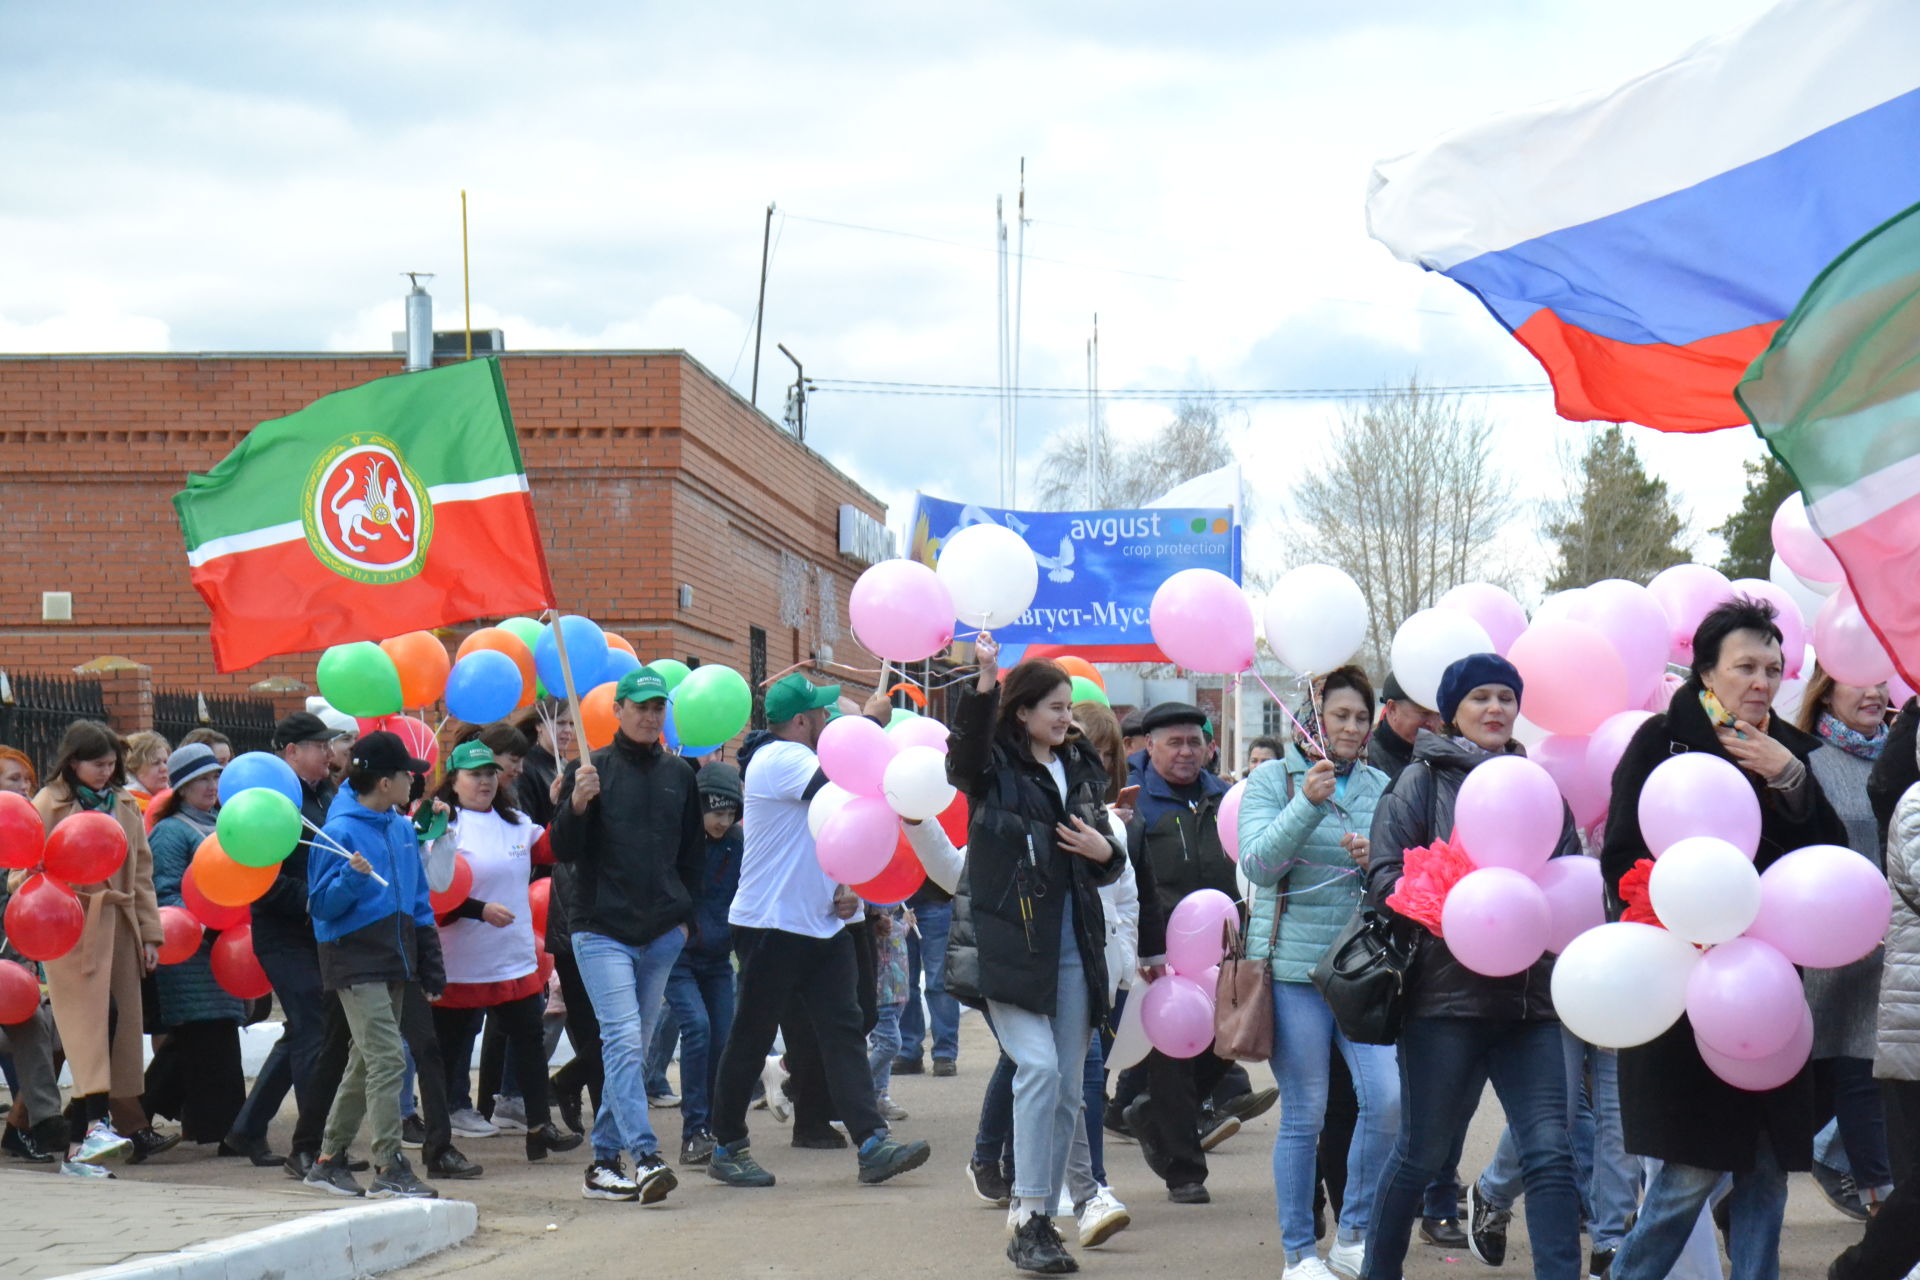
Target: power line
[(861, 386)]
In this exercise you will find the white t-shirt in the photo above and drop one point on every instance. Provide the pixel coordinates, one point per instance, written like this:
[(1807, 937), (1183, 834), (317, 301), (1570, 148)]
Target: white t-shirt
[(501, 855), (781, 883), (1058, 768)]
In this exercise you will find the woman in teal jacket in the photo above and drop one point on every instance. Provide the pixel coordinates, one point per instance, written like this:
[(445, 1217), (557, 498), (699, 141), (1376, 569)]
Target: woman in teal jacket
[(1303, 845)]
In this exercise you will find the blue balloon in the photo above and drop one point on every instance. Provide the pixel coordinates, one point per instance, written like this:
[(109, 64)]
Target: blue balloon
[(483, 687), (668, 734), (619, 662), (260, 769), (586, 652)]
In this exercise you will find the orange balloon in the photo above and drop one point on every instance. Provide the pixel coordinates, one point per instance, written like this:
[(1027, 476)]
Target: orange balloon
[(510, 644), (226, 882), (596, 716), (1075, 666), (620, 642), (423, 665)]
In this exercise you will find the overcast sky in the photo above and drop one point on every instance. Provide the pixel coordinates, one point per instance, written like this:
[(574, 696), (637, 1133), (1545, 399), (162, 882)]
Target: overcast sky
[(252, 177)]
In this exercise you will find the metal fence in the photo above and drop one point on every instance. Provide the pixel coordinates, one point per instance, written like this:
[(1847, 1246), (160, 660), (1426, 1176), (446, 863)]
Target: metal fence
[(248, 722), (35, 710)]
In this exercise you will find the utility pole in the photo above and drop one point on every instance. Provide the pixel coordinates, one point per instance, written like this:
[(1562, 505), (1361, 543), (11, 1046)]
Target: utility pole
[(760, 310), (796, 395)]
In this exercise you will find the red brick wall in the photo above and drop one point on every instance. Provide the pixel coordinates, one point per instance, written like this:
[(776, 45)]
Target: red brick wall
[(646, 472)]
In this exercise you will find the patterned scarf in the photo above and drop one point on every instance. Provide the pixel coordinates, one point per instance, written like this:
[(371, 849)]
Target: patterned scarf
[(1312, 736), (93, 801), (1837, 733)]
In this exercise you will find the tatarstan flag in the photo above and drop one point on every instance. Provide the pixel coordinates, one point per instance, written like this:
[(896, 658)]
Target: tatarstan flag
[(396, 506), (1836, 396)]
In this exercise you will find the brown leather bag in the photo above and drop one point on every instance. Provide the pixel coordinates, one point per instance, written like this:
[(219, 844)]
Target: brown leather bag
[(1243, 997)]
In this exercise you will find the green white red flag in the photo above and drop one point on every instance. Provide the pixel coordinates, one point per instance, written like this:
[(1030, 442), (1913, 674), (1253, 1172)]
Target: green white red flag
[(1836, 396), (396, 506)]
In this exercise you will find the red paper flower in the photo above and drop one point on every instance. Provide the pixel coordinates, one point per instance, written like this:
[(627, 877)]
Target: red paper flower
[(1428, 875), (1636, 892)]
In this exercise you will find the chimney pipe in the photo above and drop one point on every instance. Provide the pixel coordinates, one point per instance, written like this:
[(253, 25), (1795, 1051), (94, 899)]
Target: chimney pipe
[(419, 323)]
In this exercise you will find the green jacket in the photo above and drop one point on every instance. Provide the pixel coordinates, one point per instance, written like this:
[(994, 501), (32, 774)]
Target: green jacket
[(1289, 844)]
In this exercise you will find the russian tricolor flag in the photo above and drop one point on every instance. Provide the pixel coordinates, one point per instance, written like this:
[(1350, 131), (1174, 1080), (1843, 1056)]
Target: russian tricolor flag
[(1645, 242)]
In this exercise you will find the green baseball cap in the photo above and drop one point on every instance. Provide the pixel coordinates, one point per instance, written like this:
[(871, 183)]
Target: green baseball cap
[(472, 755), (641, 684), (791, 695)]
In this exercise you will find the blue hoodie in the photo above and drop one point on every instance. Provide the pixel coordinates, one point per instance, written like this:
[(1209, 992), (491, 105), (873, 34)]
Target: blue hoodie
[(369, 932)]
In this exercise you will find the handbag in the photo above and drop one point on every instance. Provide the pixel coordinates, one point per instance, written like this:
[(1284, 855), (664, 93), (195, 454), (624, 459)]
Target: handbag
[(1243, 997), (1363, 977)]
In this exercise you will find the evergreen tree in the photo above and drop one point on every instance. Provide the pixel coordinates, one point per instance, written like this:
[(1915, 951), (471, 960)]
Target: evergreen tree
[(1616, 521), (1749, 530)]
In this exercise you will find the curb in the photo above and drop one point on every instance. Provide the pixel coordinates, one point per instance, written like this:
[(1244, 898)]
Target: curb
[(341, 1244)]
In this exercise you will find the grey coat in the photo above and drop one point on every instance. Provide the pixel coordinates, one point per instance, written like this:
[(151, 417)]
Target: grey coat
[(1899, 1038), (1845, 1001)]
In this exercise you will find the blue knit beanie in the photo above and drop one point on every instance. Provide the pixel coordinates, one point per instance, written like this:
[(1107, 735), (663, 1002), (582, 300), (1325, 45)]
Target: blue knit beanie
[(1468, 674)]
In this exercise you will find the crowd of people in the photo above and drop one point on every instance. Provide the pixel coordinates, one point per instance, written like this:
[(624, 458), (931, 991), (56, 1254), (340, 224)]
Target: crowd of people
[(636, 899)]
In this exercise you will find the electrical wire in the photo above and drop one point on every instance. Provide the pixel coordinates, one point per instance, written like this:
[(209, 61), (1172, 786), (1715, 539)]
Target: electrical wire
[(862, 386)]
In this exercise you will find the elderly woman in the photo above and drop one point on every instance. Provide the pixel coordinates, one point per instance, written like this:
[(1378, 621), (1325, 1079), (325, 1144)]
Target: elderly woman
[(1672, 1107), (1303, 846), (1463, 1028)]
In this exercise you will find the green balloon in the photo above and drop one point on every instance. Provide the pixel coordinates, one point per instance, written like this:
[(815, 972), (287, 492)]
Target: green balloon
[(529, 632), (673, 671), (1085, 690), (360, 680), (899, 717), (712, 704), (258, 827)]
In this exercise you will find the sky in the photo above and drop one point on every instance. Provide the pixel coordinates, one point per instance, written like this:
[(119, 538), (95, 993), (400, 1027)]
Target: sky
[(223, 177)]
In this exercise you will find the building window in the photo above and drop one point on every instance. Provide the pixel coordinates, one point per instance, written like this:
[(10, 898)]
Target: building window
[(1273, 721)]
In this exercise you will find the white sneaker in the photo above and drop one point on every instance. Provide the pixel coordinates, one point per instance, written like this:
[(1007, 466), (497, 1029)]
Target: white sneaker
[(1345, 1259), (468, 1123), (890, 1111), (509, 1114), (1101, 1218), (773, 1079), (1308, 1268)]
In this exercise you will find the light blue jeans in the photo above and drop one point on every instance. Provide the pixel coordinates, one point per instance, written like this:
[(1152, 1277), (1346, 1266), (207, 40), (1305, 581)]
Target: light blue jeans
[(626, 985), (1304, 1039), (1049, 1059), (1756, 1207), (883, 1046)]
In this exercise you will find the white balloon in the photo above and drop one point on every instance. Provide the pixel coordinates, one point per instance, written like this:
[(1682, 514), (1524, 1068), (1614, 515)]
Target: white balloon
[(1316, 618), (1705, 890), (826, 802), (990, 572), (1806, 598), (1130, 1044), (1562, 604), (1623, 984), (1427, 644), (916, 783)]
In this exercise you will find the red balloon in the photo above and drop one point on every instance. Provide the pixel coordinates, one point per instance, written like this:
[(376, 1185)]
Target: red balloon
[(19, 993), (539, 900), (183, 934), (901, 880), (545, 965), (456, 892), (152, 815), (412, 731), (45, 919), (22, 832), (206, 910), (953, 820), (86, 848), (234, 965)]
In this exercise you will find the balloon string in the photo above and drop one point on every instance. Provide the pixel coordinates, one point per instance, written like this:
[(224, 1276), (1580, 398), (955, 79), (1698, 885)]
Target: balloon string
[(328, 842), (1288, 712)]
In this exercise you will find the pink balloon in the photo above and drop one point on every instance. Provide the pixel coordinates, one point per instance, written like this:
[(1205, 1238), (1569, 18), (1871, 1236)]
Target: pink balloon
[(1229, 821), (1608, 743), (1574, 678), (1688, 592), (857, 841), (1800, 548), (1565, 760), (1203, 909), (1848, 649), (1662, 698), (1761, 1074), (1509, 814), (920, 731), (1793, 628), (1823, 906), (1745, 999), (1196, 938), (901, 611), (1496, 921), (855, 752), (1177, 1015), (1201, 620), (1697, 794), (1576, 897), (1633, 622), (1898, 691), (1497, 612)]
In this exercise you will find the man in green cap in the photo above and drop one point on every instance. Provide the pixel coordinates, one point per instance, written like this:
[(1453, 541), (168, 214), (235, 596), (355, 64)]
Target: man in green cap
[(789, 928), (629, 824)]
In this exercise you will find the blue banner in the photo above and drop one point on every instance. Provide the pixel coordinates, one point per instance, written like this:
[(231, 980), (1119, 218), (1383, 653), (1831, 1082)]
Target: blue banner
[(1098, 569)]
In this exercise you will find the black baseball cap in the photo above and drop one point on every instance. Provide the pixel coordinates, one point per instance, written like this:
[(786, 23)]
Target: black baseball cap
[(302, 726), (384, 752)]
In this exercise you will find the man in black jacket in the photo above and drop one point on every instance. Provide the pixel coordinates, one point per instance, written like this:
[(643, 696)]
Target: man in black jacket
[(1401, 720), (629, 825)]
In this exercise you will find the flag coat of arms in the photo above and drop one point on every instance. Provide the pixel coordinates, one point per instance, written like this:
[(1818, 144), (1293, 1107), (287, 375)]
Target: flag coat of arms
[(396, 506)]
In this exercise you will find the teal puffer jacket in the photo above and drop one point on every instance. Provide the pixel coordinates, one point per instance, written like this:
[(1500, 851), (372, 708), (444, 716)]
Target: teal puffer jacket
[(188, 991), (1289, 844)]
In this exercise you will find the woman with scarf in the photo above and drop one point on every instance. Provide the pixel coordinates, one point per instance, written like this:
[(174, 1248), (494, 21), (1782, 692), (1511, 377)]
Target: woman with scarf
[(1303, 846), (1851, 723)]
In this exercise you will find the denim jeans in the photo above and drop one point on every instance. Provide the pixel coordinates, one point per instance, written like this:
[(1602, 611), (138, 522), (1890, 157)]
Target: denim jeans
[(1304, 1039), (661, 1042), (1049, 1055), (993, 1139), (1859, 1120), (1756, 1207), (700, 994), (1501, 1182), (1093, 1090), (626, 985), (1445, 1064), (883, 1045), (927, 957), (295, 976)]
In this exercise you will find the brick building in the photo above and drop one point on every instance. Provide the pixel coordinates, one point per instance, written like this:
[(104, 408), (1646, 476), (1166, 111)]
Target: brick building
[(673, 511)]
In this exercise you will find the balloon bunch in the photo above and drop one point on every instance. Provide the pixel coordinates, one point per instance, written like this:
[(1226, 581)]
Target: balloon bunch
[(985, 576), (875, 777), (1176, 1011), (44, 919), (1709, 937)]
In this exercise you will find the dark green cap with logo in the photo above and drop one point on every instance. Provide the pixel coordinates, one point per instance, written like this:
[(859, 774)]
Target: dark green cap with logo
[(791, 695), (641, 684), (473, 755)]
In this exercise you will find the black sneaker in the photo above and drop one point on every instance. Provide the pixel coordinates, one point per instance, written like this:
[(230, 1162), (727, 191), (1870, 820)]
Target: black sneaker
[(397, 1182), (254, 1149), (1599, 1264), (1486, 1227), (1217, 1129), (945, 1067), (1037, 1249), (1255, 1102), (989, 1184), (413, 1133), (1840, 1191), (298, 1165), (19, 1145), (883, 1156), (696, 1148), (820, 1140), (654, 1177), (734, 1165), (568, 1101), (1443, 1232), (449, 1163), (333, 1177), (1114, 1121), (1190, 1193), (547, 1138), (150, 1142), (608, 1180), (909, 1067), (1150, 1151)]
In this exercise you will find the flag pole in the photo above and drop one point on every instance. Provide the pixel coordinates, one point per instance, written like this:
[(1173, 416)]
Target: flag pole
[(573, 696), (466, 282)]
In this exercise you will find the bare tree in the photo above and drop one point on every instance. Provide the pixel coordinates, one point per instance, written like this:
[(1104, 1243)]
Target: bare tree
[(1130, 475), (1408, 502)]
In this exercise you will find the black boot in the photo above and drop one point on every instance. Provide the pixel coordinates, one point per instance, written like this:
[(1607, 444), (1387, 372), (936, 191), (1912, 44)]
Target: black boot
[(547, 1138), (1036, 1248)]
